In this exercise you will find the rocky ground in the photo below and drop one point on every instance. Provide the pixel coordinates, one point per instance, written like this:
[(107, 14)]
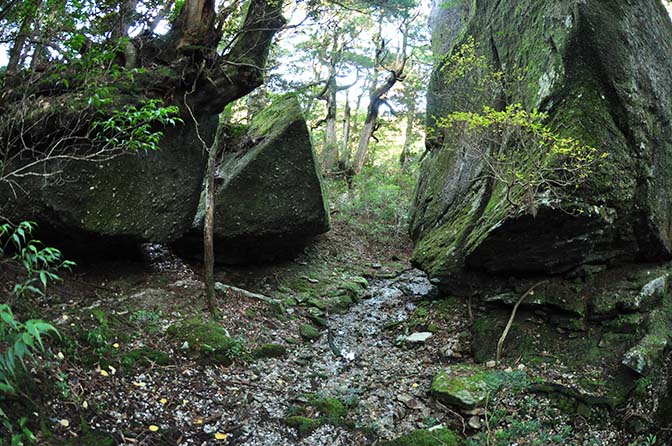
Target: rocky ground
[(321, 350)]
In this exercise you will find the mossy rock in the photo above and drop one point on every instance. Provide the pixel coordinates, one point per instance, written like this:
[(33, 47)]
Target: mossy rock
[(462, 386), (304, 425), (424, 437), (207, 340), (270, 351), (271, 200), (309, 333), (328, 410), (143, 357), (594, 88)]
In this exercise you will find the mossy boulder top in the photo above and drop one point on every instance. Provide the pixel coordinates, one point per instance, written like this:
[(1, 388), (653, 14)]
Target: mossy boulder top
[(602, 71), (274, 189), (270, 198)]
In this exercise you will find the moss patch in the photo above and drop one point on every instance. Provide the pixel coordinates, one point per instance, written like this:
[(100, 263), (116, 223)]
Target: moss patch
[(464, 386), (423, 437), (206, 340), (270, 351), (309, 333), (316, 412)]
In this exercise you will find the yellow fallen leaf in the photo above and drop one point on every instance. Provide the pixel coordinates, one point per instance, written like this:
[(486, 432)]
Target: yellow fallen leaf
[(60, 356), (139, 384), (198, 421), (85, 405), (221, 436), (163, 401), (184, 402), (153, 428), (115, 345), (414, 385), (104, 373)]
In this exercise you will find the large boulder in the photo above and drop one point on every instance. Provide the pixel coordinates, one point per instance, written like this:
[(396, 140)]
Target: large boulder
[(269, 199), (114, 205), (602, 71)]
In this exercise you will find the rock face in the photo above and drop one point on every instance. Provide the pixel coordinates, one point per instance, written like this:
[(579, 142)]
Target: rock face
[(269, 197), (602, 70), (111, 206)]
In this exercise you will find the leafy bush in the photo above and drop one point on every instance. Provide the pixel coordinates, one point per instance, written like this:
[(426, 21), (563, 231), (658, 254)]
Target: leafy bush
[(21, 341)]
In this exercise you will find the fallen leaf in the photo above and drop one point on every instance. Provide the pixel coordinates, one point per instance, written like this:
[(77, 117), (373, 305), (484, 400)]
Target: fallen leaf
[(139, 384), (153, 428), (112, 369), (163, 401), (104, 373), (60, 356), (221, 436), (64, 423), (115, 345), (85, 405), (198, 421)]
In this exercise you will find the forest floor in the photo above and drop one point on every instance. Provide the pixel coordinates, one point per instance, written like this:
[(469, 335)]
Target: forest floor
[(328, 361)]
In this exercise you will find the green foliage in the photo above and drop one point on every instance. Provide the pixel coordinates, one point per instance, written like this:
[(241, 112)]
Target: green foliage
[(377, 204), (133, 128), (21, 341), (514, 145), (521, 153)]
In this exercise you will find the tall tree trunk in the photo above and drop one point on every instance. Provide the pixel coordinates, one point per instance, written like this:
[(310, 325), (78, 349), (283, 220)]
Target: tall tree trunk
[(344, 162), (18, 50), (330, 156), (209, 223), (364, 138), (408, 136), (377, 95), (195, 26)]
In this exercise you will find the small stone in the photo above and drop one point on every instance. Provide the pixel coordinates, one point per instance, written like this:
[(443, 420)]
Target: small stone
[(491, 364), (418, 337), (376, 265), (474, 422)]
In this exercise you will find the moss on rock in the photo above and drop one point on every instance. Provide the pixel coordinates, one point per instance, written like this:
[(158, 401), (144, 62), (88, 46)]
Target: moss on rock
[(270, 351), (595, 88), (309, 333), (206, 339), (464, 386), (424, 437)]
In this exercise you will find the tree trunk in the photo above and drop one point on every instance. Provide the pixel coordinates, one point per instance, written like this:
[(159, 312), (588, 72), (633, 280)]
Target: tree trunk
[(364, 138), (376, 98), (330, 156), (344, 162), (17, 51), (195, 26), (238, 72), (209, 223)]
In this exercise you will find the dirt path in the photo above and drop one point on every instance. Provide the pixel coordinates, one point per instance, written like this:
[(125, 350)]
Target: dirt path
[(358, 382), (360, 363)]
